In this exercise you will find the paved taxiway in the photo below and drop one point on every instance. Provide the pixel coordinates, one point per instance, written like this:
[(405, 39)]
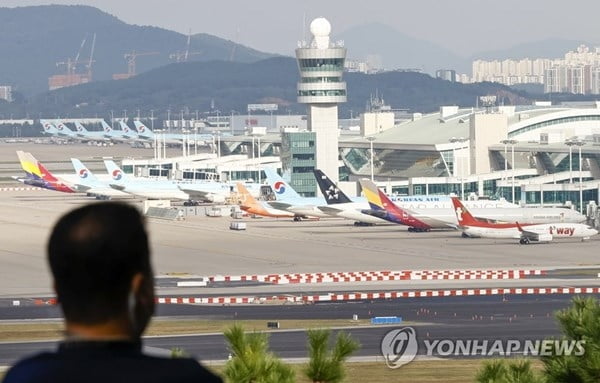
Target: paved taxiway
[(203, 245), (511, 317)]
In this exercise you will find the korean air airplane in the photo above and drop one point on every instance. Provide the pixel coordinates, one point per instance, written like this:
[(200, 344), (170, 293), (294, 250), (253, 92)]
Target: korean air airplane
[(82, 132), (64, 131), (288, 199), (91, 184), (49, 128), (147, 188)]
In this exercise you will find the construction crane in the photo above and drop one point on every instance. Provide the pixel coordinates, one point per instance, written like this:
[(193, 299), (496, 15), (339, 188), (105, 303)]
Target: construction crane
[(91, 60), (180, 56), (131, 58), (72, 77)]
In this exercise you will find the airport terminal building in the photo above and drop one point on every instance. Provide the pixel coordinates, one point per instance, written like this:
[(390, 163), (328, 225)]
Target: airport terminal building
[(539, 154)]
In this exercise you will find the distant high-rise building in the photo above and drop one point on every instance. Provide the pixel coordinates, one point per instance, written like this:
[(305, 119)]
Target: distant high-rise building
[(446, 74), (578, 72), (6, 93)]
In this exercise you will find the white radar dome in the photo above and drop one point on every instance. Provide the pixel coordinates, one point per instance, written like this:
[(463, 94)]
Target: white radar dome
[(320, 27)]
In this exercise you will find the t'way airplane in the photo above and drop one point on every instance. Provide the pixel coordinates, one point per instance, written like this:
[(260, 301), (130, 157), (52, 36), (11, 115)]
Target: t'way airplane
[(524, 232)]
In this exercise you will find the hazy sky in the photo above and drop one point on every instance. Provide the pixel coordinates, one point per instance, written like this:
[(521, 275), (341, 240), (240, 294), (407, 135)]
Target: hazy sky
[(463, 26)]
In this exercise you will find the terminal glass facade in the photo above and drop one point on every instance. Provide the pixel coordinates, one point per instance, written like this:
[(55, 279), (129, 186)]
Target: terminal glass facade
[(559, 197), (556, 121), (298, 158)]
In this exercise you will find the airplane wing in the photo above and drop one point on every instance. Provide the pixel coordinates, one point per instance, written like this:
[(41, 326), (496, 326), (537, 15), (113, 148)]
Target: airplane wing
[(280, 205), (529, 236), (196, 194), (330, 210)]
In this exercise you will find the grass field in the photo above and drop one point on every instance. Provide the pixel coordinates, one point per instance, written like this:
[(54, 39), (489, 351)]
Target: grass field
[(427, 371), (54, 330)]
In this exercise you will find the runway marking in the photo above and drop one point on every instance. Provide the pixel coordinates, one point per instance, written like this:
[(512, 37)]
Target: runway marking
[(21, 189)]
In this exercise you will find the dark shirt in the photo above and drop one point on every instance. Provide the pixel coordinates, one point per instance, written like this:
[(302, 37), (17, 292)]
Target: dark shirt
[(106, 362)]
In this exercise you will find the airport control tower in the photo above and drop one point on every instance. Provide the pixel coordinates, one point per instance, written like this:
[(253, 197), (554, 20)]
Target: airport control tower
[(321, 65)]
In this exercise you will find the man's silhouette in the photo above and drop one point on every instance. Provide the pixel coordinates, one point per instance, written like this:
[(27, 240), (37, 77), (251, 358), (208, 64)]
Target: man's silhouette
[(100, 262)]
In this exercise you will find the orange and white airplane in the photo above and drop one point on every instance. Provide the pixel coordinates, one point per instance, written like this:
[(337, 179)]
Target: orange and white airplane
[(524, 232), (250, 205)]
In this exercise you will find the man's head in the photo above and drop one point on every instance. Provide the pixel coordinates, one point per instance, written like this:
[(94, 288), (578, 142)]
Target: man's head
[(100, 261)]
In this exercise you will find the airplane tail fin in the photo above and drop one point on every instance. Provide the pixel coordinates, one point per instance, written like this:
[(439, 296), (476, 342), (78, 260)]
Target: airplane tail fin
[(332, 194), (142, 129), (80, 128), (48, 127), (371, 192), (44, 173), (463, 215), (115, 171), (29, 165), (107, 128), (281, 188), (82, 171), (246, 199), (385, 208), (62, 128)]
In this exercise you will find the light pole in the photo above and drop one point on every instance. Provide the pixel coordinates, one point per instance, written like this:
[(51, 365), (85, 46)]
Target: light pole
[(580, 143), (195, 140), (231, 122), (512, 164), (219, 144), (454, 140), (371, 139), (259, 180), (570, 144)]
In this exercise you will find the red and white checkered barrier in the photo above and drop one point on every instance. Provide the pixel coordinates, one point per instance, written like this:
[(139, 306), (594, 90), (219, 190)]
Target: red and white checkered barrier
[(346, 297), (367, 276), (449, 293), (20, 189)]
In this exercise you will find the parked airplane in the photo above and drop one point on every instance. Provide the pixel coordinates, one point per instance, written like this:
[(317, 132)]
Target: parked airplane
[(384, 208), (38, 175), (252, 206), (64, 131), (86, 180), (82, 132), (289, 200), (524, 232), (49, 128), (340, 205), (145, 188), (118, 134), (147, 134), (209, 191)]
